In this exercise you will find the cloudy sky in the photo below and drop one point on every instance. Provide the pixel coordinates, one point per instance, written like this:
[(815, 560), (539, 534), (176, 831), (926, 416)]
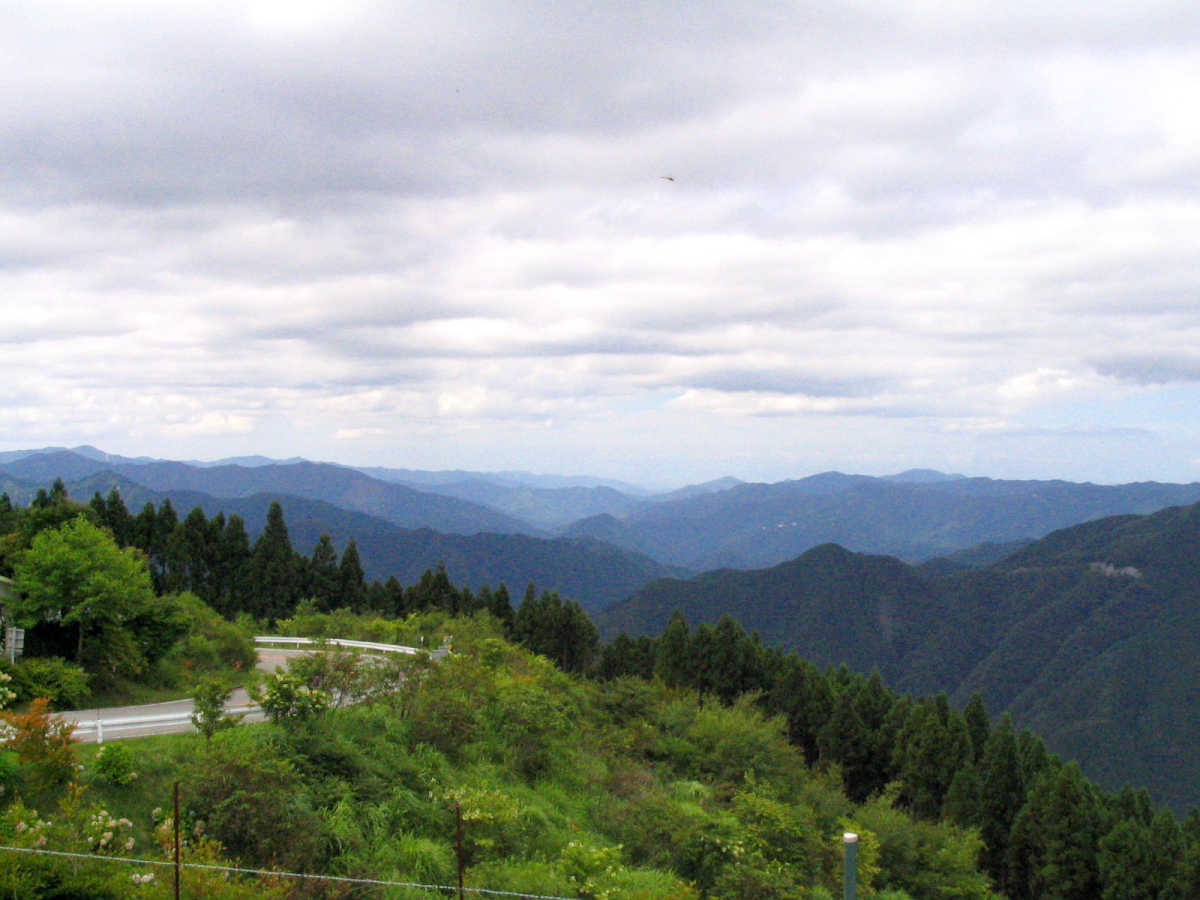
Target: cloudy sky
[(433, 235)]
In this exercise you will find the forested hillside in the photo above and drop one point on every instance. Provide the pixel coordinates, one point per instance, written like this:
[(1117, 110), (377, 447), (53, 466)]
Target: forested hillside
[(698, 763), (1091, 635)]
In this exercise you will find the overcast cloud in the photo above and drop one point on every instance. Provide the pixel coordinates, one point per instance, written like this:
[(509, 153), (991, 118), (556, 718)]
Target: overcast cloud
[(893, 234)]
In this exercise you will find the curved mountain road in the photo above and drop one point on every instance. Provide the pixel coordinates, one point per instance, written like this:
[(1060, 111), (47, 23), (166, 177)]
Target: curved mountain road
[(174, 716)]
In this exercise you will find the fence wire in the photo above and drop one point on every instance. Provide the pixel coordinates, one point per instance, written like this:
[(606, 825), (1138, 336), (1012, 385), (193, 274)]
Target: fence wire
[(342, 879)]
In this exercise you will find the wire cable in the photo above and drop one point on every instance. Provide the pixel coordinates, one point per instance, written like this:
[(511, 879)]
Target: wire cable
[(441, 888)]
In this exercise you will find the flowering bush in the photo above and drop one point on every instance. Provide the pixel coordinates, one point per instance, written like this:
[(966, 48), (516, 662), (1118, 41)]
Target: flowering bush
[(108, 835), (7, 694)]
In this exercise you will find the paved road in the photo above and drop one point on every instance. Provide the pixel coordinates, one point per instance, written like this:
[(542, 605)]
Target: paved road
[(175, 714)]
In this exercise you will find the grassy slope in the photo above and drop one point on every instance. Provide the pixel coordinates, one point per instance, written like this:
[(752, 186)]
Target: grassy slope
[(567, 787)]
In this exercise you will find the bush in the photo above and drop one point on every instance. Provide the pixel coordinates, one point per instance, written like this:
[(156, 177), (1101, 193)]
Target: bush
[(63, 683), (211, 643), (114, 764), (42, 744)]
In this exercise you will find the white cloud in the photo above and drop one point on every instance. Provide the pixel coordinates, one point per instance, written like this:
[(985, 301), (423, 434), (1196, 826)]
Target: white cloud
[(297, 224)]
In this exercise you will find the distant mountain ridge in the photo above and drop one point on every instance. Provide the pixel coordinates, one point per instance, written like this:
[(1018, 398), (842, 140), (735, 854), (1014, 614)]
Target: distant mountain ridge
[(338, 485), (915, 517), (1090, 636)]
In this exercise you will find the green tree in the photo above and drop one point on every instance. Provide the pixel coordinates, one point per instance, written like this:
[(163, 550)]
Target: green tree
[(1001, 796), (558, 629), (323, 574), (272, 584), (231, 569), (978, 726), (803, 695), (931, 748), (117, 518), (674, 663), (77, 575), (352, 587), (1052, 853), (208, 699), (844, 739)]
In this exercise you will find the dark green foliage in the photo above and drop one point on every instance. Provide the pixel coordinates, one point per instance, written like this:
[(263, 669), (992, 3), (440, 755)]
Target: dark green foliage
[(805, 698), (844, 740), (272, 582), (932, 746), (322, 582), (1090, 636), (352, 589), (499, 604), (64, 684), (557, 629), (252, 801), (1053, 849), (978, 726), (230, 570), (674, 663), (1002, 789), (624, 656)]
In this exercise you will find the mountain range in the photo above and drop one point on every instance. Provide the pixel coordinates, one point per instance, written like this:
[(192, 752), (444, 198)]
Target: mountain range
[(1071, 606), (1089, 636)]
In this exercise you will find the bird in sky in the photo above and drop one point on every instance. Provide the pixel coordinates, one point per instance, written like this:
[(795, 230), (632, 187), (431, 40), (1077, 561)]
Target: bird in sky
[(667, 177)]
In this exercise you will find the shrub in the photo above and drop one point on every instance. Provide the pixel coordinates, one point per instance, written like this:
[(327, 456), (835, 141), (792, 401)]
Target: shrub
[(114, 764), (42, 745), (211, 642), (62, 683)]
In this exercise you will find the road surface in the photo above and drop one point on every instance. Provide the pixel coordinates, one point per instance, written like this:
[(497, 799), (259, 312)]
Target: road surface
[(171, 717)]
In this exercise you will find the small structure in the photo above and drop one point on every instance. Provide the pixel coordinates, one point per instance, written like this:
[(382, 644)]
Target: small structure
[(14, 638)]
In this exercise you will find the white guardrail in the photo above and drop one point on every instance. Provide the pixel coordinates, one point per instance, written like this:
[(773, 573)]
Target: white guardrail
[(95, 727), (336, 642)]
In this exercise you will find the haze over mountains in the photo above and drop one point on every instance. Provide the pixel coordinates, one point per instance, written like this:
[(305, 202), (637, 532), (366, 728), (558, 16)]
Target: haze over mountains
[(724, 523)]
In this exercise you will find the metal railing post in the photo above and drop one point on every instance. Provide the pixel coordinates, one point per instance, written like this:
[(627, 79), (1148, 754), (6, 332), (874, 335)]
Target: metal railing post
[(850, 877)]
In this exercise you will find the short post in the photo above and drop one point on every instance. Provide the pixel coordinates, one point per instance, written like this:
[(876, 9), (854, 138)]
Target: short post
[(459, 843), (850, 880), (176, 823)]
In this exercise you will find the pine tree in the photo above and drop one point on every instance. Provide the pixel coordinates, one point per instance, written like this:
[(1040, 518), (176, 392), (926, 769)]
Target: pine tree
[(1001, 796), (1053, 849), (58, 492), (232, 569), (117, 518), (674, 664), (978, 727), (930, 749), (803, 695), (352, 588), (501, 607), (273, 588), (323, 584)]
